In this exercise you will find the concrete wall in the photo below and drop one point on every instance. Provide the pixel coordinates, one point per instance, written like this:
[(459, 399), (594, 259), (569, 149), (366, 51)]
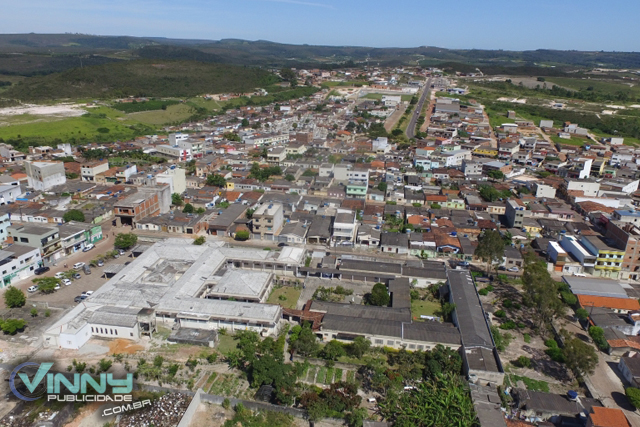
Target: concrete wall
[(191, 409)]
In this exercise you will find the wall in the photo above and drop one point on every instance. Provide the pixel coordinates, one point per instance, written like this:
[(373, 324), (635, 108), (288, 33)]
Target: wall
[(191, 409)]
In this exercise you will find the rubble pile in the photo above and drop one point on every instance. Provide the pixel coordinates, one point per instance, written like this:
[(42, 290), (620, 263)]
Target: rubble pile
[(167, 411)]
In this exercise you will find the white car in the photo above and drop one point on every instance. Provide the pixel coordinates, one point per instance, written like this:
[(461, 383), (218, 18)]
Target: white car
[(88, 247), (78, 265), (33, 288), (513, 269), (59, 275), (87, 293), (57, 287), (66, 282)]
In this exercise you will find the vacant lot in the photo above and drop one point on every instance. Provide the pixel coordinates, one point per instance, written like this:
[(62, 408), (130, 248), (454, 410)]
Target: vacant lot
[(173, 114), (378, 96), (572, 141)]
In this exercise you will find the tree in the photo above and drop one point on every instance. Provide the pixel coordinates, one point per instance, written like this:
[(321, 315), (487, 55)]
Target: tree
[(495, 174), (306, 343), (633, 394), (582, 314), (333, 350), (188, 209), (541, 292), (290, 177), (73, 215), (125, 240), (215, 180), (382, 187), (379, 295), (249, 213), (14, 297), (489, 193), (580, 356), (200, 240), (435, 206), (176, 199), (11, 326), (46, 284), (244, 123), (359, 347), (597, 334), (242, 235), (490, 247)]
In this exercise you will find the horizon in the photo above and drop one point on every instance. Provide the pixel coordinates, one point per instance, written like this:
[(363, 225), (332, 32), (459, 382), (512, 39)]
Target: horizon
[(570, 25)]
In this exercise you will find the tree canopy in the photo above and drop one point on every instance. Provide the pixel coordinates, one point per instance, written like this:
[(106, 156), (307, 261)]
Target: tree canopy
[(541, 292), (216, 180), (579, 356), (125, 240), (379, 295), (73, 215), (176, 199), (490, 247), (46, 284), (14, 297)]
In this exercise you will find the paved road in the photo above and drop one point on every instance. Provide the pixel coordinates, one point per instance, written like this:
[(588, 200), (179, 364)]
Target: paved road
[(411, 129)]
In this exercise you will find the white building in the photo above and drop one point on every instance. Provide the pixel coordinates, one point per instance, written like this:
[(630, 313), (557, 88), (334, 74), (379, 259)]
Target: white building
[(258, 140), (175, 177), (380, 145), (88, 171), (590, 188), (18, 262), (391, 100), (345, 227), (543, 191), (45, 175)]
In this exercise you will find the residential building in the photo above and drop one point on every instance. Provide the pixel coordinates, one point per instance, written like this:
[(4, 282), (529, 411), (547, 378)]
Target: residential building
[(88, 171), (543, 191), (147, 201), (18, 262), (514, 213), (345, 227), (175, 177), (43, 176), (588, 187), (627, 236), (268, 220), (277, 155), (471, 168), (258, 140), (356, 190), (73, 237), (575, 248), (608, 258), (397, 243), (607, 417), (46, 239), (630, 216), (174, 153)]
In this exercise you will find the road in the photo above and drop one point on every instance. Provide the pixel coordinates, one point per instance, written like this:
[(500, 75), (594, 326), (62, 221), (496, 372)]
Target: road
[(411, 129)]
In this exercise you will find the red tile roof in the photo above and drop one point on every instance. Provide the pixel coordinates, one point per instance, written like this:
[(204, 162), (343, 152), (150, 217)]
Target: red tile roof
[(608, 417), (630, 304)]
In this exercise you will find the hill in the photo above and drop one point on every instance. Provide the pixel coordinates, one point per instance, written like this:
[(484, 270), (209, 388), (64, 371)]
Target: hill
[(150, 78)]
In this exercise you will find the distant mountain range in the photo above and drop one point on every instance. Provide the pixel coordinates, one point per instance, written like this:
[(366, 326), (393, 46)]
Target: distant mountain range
[(32, 54)]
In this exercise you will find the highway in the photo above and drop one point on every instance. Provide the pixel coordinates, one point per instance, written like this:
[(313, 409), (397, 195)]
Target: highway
[(411, 129)]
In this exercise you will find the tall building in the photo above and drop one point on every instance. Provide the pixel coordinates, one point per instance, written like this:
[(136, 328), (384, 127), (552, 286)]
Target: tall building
[(45, 175)]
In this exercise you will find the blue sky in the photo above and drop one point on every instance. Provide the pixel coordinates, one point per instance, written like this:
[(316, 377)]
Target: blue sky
[(494, 24)]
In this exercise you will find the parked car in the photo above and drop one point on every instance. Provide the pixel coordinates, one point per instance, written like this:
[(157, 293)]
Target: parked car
[(116, 255), (56, 287), (41, 270), (59, 275), (121, 251), (100, 263), (87, 270), (88, 247), (66, 282), (513, 269), (87, 293), (78, 265), (77, 276), (33, 288), (464, 264), (80, 298), (280, 245)]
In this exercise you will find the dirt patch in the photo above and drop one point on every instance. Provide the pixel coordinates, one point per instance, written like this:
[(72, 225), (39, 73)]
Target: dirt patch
[(121, 346), (61, 110)]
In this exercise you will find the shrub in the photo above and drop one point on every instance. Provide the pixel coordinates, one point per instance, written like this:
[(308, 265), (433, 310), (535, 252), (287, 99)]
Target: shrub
[(14, 297), (521, 325), (34, 312), (523, 362), (633, 394), (484, 292), (582, 314), (509, 324), (527, 338), (199, 240), (47, 313), (597, 333), (104, 365), (242, 235), (226, 403), (507, 303), (489, 288), (555, 354), (500, 313), (551, 343), (569, 298)]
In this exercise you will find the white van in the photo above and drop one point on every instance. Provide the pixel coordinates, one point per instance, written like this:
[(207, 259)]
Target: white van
[(579, 275)]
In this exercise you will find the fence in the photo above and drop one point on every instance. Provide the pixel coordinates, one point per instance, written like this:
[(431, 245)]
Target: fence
[(191, 410)]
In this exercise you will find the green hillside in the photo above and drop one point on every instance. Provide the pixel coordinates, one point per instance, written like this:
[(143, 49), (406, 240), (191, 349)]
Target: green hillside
[(151, 78)]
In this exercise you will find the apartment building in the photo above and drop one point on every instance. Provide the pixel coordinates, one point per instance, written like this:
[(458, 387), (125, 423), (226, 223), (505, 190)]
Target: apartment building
[(626, 236), (43, 176), (46, 239), (147, 201), (514, 213), (88, 171), (18, 262), (267, 220)]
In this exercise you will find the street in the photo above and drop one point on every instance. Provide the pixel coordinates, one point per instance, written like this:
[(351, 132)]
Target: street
[(411, 129)]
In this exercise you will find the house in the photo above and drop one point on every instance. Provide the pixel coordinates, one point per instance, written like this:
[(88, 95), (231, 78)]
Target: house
[(368, 236), (617, 305), (394, 243), (88, 171), (43, 176), (293, 232), (174, 222), (147, 201), (222, 222), (344, 227), (44, 238), (630, 368), (276, 155), (607, 417), (18, 262), (548, 405), (320, 230)]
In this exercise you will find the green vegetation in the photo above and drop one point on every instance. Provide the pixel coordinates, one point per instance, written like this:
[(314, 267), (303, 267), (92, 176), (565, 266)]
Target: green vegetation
[(597, 334), (11, 326), (379, 295), (424, 308), (247, 418), (200, 240), (46, 285), (73, 215), (541, 292), (125, 240), (136, 107), (14, 297), (142, 78), (533, 385), (633, 394), (490, 247), (571, 141), (289, 293), (378, 97)]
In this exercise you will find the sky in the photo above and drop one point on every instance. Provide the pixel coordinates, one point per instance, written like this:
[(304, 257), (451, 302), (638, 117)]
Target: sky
[(609, 25)]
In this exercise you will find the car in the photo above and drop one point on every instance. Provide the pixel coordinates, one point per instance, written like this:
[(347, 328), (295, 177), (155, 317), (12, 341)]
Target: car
[(87, 293), (280, 245), (80, 298), (78, 265), (88, 247), (579, 275), (513, 269), (87, 270), (100, 263), (121, 251), (464, 264), (77, 276), (33, 288), (65, 282), (116, 255), (57, 287), (59, 275), (41, 270)]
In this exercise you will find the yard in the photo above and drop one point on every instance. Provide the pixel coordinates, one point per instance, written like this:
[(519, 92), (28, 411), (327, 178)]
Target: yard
[(424, 308), (286, 296), (173, 114), (572, 141), (226, 344)]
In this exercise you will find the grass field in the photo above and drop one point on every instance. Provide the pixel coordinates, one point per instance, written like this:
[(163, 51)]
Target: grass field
[(424, 308), (378, 96), (290, 293), (603, 86), (347, 84), (226, 344), (573, 141), (173, 114)]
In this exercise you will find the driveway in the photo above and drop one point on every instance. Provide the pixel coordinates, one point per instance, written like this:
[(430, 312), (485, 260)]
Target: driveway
[(606, 384)]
